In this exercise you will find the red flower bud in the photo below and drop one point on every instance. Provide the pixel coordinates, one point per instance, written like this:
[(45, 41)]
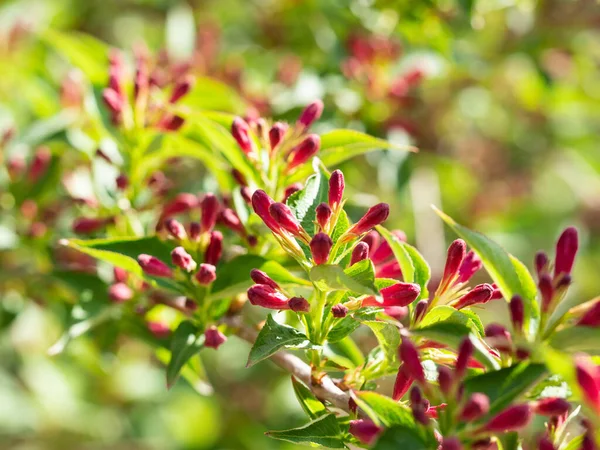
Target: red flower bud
[(545, 444), (284, 217), (291, 189), (476, 296), (469, 266), (210, 211), (120, 292), (267, 297), (240, 132), (195, 231), (420, 310), (183, 259), (402, 384), (372, 239), (566, 249), (175, 229), (389, 270), (591, 318), (517, 312), (214, 249), (546, 290), (181, 88), (336, 188), (88, 225), (213, 338), (499, 337), (171, 123), (512, 418), (541, 263), (299, 304), (320, 246), (465, 351), (323, 214), (207, 273), (261, 204), (276, 134), (230, 219), (360, 252), (120, 275), (376, 215), (159, 329), (410, 357), (551, 407), (122, 182), (304, 151), (181, 203), (260, 277), (445, 380), (246, 194), (588, 379), (451, 443), (114, 102), (477, 406), (454, 260), (384, 251), (311, 113), (154, 266), (365, 431), (39, 164), (589, 442), (339, 311), (400, 294)]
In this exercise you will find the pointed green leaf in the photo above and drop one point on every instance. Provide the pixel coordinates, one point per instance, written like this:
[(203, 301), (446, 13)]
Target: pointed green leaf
[(332, 277), (385, 411), (324, 431), (388, 337), (310, 404), (186, 342), (304, 202)]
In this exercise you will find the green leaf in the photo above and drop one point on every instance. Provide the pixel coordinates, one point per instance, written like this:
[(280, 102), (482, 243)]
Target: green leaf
[(212, 94), (362, 272), (324, 431), (577, 339), (186, 342), (405, 437), (422, 272), (304, 202), (511, 276), (310, 404), (273, 337), (401, 255), (347, 349), (444, 313), (332, 277), (388, 337), (385, 411), (505, 385)]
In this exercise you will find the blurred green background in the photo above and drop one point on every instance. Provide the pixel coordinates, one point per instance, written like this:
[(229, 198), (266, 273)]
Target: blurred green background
[(505, 112)]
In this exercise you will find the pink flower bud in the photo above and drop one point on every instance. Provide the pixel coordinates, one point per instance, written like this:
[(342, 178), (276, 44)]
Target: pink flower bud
[(451, 443), (566, 249), (402, 384), (410, 358), (291, 189), (499, 337), (284, 217), (336, 189), (304, 151), (372, 239), (376, 215), (546, 290), (299, 304), (476, 296), (469, 266), (230, 219), (512, 418), (267, 297), (120, 292), (114, 102), (320, 246), (477, 406), (465, 351), (183, 259), (541, 263), (159, 329), (400, 294), (88, 225), (260, 277), (339, 311), (360, 252), (210, 211), (551, 407), (214, 249), (445, 380), (154, 266), (120, 275), (311, 113), (181, 89), (517, 312), (420, 310), (240, 132), (261, 204), (181, 203), (207, 273), (365, 431), (323, 214), (591, 318), (175, 229), (39, 164), (389, 270), (454, 260), (213, 338), (195, 231), (588, 379), (276, 134)]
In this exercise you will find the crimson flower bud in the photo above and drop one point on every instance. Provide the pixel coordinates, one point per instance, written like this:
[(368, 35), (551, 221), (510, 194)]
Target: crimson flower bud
[(239, 177), (154, 266), (88, 225), (175, 229), (402, 384), (372, 239), (214, 249), (267, 297), (541, 263), (420, 310), (183, 259), (410, 357), (122, 182), (517, 312), (400, 294), (230, 219), (207, 273), (240, 132), (566, 249), (323, 214), (546, 290), (304, 151), (299, 304), (389, 270), (477, 406), (365, 431), (260, 277), (382, 253), (339, 311), (336, 189), (181, 88), (454, 260), (284, 217), (171, 123), (320, 246), (478, 295), (451, 443), (195, 231), (39, 164), (210, 211), (512, 418), (499, 337), (114, 102), (465, 351), (545, 444), (213, 338), (246, 194), (551, 407), (120, 292), (159, 329), (588, 379), (469, 266), (181, 203), (311, 113), (261, 204), (276, 134), (591, 318), (360, 252), (291, 189), (376, 215), (445, 380)]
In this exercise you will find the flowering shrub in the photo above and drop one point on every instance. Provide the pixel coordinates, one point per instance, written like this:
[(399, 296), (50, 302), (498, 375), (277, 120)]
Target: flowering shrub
[(275, 234)]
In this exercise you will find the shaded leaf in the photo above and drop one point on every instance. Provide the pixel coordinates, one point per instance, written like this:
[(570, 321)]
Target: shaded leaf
[(310, 404), (324, 431), (186, 342)]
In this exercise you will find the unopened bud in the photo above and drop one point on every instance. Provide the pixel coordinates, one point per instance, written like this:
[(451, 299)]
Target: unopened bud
[(420, 310), (410, 358), (591, 318), (400, 294), (304, 151), (320, 247), (311, 113), (336, 189), (207, 273), (551, 407), (239, 177), (183, 259), (114, 102), (541, 263), (181, 203), (372, 239), (122, 182), (159, 329), (499, 337), (276, 134), (246, 194), (445, 380), (566, 249), (451, 443), (171, 123), (469, 266), (154, 266), (39, 164), (213, 338), (230, 219), (339, 311), (323, 214), (517, 312), (195, 231), (546, 291), (181, 89), (284, 217), (214, 249), (365, 431), (376, 215), (588, 379), (511, 419), (267, 297), (477, 406), (456, 255), (120, 275), (88, 225), (402, 384), (175, 229), (210, 211), (261, 204), (240, 132), (476, 296), (291, 189), (299, 304), (120, 292), (360, 252), (465, 351), (260, 277)]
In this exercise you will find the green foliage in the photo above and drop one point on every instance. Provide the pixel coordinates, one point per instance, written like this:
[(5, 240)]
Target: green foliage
[(323, 431)]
